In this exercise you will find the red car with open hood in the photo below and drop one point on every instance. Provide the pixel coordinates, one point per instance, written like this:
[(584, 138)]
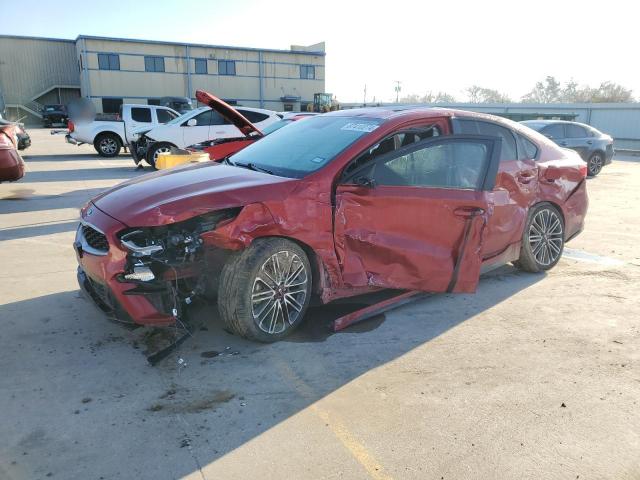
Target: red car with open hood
[(334, 206), (11, 163), (220, 148)]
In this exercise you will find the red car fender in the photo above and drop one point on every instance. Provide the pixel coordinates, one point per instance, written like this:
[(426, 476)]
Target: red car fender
[(253, 221), (11, 163)]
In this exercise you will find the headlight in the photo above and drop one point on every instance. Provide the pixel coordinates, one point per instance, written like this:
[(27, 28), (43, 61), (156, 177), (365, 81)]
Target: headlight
[(140, 244), (176, 239)]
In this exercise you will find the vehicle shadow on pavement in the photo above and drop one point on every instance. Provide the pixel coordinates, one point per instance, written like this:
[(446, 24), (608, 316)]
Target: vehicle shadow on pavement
[(110, 173), (24, 199), (214, 394)]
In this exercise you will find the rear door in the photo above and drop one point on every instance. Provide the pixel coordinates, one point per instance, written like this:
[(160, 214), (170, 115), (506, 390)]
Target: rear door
[(555, 132), (414, 218), (578, 139), (516, 185), (140, 117)]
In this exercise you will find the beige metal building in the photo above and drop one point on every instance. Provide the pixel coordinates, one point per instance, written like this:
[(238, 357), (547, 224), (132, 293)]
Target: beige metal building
[(34, 72), (112, 71)]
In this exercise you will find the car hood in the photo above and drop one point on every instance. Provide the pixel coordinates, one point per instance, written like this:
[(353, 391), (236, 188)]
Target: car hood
[(228, 112), (181, 193)]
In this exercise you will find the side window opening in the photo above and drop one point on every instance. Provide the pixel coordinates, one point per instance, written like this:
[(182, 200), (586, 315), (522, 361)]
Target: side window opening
[(527, 150), (141, 114), (165, 116), (456, 164), (480, 127), (554, 131), (392, 143)]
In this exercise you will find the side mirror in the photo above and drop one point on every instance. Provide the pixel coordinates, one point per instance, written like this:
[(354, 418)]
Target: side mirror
[(363, 181), (192, 122)]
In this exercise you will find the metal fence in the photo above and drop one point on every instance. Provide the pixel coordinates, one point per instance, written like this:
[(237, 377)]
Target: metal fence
[(620, 120)]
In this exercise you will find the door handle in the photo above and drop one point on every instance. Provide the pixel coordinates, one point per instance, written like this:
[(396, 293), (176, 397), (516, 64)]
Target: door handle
[(468, 212), (589, 142)]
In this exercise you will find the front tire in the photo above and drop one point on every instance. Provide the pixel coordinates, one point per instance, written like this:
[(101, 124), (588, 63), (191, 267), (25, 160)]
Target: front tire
[(542, 239), (107, 145), (595, 164), (155, 150), (265, 290)]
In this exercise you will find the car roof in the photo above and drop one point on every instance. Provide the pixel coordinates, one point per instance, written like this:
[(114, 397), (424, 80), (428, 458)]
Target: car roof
[(417, 112), (551, 122)]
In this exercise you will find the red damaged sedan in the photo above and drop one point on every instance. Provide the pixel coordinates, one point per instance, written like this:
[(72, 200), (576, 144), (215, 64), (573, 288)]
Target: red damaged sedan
[(334, 206)]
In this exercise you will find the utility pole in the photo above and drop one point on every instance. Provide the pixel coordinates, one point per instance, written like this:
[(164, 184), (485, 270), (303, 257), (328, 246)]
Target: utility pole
[(364, 101), (397, 88)]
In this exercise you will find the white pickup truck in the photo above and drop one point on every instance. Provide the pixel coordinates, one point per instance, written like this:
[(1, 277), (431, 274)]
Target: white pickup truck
[(109, 136)]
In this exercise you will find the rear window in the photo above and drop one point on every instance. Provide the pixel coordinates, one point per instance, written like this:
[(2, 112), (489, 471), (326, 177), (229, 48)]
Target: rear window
[(253, 117)]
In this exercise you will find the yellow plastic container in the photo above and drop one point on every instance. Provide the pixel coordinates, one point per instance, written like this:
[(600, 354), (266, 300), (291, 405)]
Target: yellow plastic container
[(170, 160)]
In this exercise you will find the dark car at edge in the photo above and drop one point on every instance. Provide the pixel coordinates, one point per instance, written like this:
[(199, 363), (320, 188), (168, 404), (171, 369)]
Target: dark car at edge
[(595, 147)]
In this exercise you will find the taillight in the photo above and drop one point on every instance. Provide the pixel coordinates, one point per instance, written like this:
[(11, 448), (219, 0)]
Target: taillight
[(70, 126), (583, 170)]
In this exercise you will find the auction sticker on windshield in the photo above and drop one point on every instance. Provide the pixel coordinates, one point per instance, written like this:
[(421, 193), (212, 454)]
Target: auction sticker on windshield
[(360, 127)]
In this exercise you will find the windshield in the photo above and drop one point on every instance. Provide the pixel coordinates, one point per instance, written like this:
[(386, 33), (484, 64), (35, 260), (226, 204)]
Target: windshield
[(187, 115), (305, 146), (275, 126)]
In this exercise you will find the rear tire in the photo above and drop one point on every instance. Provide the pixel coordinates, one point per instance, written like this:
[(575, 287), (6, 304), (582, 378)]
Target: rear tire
[(107, 145), (595, 164), (155, 150), (542, 239), (265, 290)]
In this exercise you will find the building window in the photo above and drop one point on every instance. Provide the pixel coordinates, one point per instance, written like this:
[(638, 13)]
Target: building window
[(226, 67), (111, 105), (201, 66), (108, 61), (154, 64), (308, 72)]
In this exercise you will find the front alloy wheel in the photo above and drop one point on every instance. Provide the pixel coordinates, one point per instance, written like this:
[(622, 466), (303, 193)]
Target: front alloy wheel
[(279, 292), (264, 291)]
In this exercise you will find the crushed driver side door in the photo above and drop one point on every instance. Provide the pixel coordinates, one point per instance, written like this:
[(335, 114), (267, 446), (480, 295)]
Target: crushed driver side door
[(414, 218)]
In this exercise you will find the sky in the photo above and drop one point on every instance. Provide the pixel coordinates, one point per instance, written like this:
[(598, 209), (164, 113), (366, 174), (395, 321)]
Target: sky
[(426, 45)]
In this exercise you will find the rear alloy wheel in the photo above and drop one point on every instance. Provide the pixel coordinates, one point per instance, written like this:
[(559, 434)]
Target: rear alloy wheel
[(155, 150), (108, 145), (542, 239), (265, 290), (595, 164)]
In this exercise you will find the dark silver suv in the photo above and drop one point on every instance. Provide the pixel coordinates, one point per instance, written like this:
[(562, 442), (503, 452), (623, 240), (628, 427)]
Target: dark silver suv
[(595, 147)]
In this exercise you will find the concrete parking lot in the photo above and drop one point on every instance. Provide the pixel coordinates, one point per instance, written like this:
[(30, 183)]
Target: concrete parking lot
[(535, 376)]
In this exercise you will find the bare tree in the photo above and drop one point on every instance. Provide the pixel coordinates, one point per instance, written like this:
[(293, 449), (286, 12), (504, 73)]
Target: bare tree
[(429, 97), (551, 91), (547, 91), (479, 94)]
